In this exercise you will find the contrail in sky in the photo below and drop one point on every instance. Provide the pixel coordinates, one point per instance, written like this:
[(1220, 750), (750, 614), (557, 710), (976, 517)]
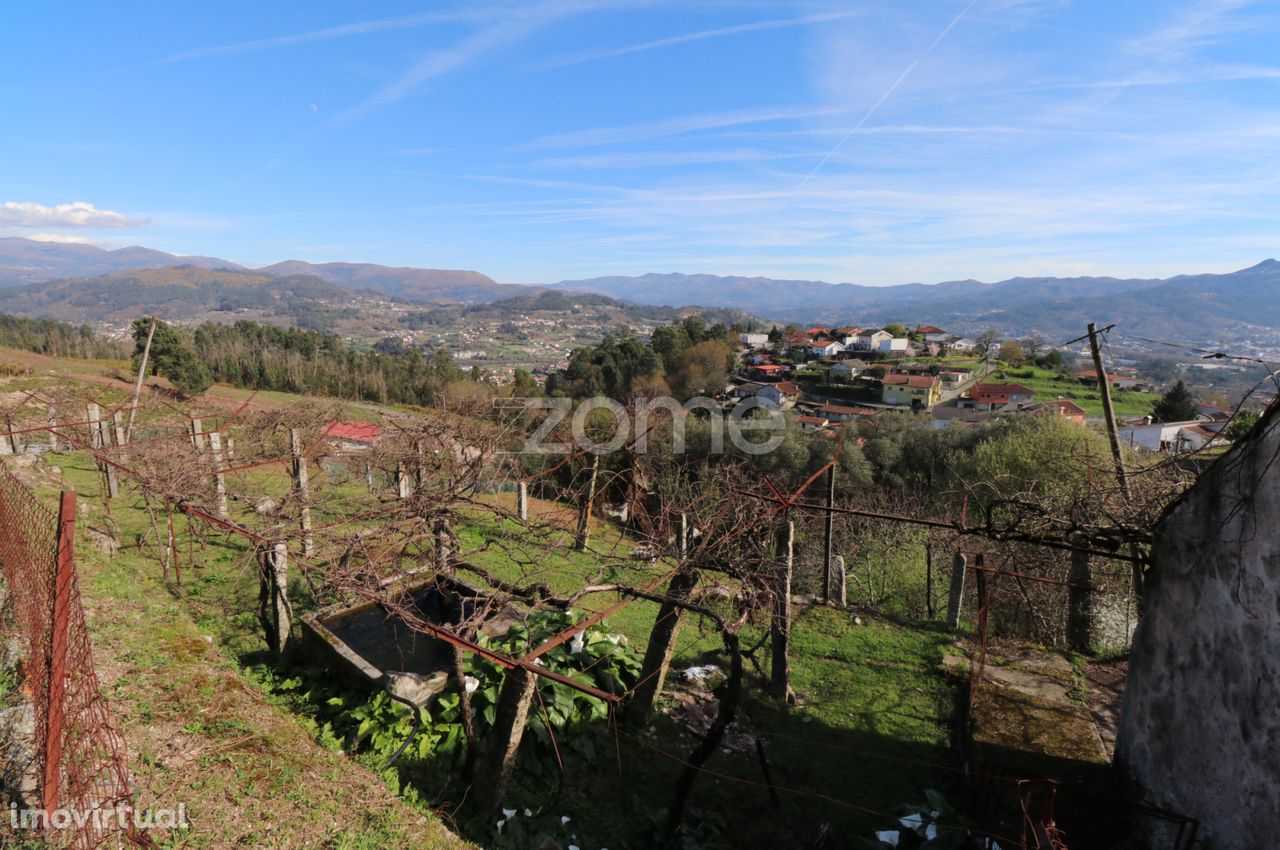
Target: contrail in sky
[(872, 111)]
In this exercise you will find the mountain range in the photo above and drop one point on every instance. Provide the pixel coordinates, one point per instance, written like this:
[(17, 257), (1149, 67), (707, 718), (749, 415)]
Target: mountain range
[(82, 282)]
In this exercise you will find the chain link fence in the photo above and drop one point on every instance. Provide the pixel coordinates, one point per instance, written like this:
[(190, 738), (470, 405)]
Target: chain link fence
[(79, 759)]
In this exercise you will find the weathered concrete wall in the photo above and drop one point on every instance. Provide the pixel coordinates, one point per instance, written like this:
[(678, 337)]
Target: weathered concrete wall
[(1200, 729)]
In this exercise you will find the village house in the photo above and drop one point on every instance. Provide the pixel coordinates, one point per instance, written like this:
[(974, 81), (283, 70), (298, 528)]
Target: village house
[(844, 413), (845, 370), (962, 345), (932, 334), (996, 396), (1065, 408), (766, 371), (825, 348), (1171, 437), (782, 395), (812, 423), (352, 436), (746, 389), (754, 340), (869, 339), (918, 391)]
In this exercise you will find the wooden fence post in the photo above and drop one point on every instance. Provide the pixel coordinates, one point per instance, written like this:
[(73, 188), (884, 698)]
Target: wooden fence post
[(302, 486), (956, 597), (780, 628), (583, 537), (662, 644), (59, 618), (512, 716)]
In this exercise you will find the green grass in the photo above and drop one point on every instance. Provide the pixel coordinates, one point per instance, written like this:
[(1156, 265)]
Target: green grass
[(872, 732), (1048, 384), (198, 730)]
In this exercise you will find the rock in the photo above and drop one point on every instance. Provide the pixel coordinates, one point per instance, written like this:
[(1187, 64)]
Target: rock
[(19, 769), (13, 653), (262, 507), (857, 621), (417, 689)]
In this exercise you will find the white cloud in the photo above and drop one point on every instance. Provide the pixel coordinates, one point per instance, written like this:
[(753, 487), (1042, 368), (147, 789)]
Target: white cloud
[(59, 237), (1195, 27), (74, 214)]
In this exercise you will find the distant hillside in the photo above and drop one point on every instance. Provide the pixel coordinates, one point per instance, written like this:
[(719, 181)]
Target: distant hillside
[(184, 293), (24, 261), (1197, 307), (566, 301), (439, 285)]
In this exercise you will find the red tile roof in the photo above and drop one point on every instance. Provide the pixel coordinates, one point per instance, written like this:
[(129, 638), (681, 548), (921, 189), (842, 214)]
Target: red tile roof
[(920, 381), (355, 432)]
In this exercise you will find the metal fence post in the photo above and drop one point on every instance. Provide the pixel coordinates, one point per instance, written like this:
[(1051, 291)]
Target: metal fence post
[(64, 565)]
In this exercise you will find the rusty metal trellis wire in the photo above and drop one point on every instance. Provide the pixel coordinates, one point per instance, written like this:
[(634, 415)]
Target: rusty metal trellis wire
[(80, 756)]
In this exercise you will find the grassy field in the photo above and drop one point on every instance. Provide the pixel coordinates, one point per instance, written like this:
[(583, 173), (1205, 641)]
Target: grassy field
[(199, 731), (871, 733), (1048, 384)]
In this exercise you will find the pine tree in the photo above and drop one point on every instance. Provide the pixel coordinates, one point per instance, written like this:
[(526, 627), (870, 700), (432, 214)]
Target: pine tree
[(1176, 405)]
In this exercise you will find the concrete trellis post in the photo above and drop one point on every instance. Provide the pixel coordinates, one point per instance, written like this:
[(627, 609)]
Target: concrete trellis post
[(956, 596), (94, 415), (522, 500), (197, 434), (302, 486), (837, 593), (1080, 602), (219, 480), (274, 611), (780, 628), (53, 425), (404, 487)]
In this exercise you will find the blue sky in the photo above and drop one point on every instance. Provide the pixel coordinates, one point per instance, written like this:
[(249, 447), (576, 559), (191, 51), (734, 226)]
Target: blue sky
[(870, 142)]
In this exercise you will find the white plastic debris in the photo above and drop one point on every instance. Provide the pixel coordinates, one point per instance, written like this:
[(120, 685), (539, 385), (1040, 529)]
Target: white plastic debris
[(699, 674), (912, 821), (888, 836), (578, 643), (564, 819), (471, 683), (528, 813), (931, 831), (508, 814)]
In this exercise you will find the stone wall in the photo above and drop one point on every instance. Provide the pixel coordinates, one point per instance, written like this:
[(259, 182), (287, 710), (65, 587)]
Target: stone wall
[(1200, 729)]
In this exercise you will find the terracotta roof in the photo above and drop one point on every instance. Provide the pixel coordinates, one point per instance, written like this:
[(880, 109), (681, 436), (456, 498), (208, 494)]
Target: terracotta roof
[(787, 388), (1065, 407), (812, 420), (929, 329), (840, 409), (356, 432), (920, 381)]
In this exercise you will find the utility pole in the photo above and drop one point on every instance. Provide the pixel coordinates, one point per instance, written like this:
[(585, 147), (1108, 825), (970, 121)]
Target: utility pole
[(1108, 413), (1113, 436), (137, 386)]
